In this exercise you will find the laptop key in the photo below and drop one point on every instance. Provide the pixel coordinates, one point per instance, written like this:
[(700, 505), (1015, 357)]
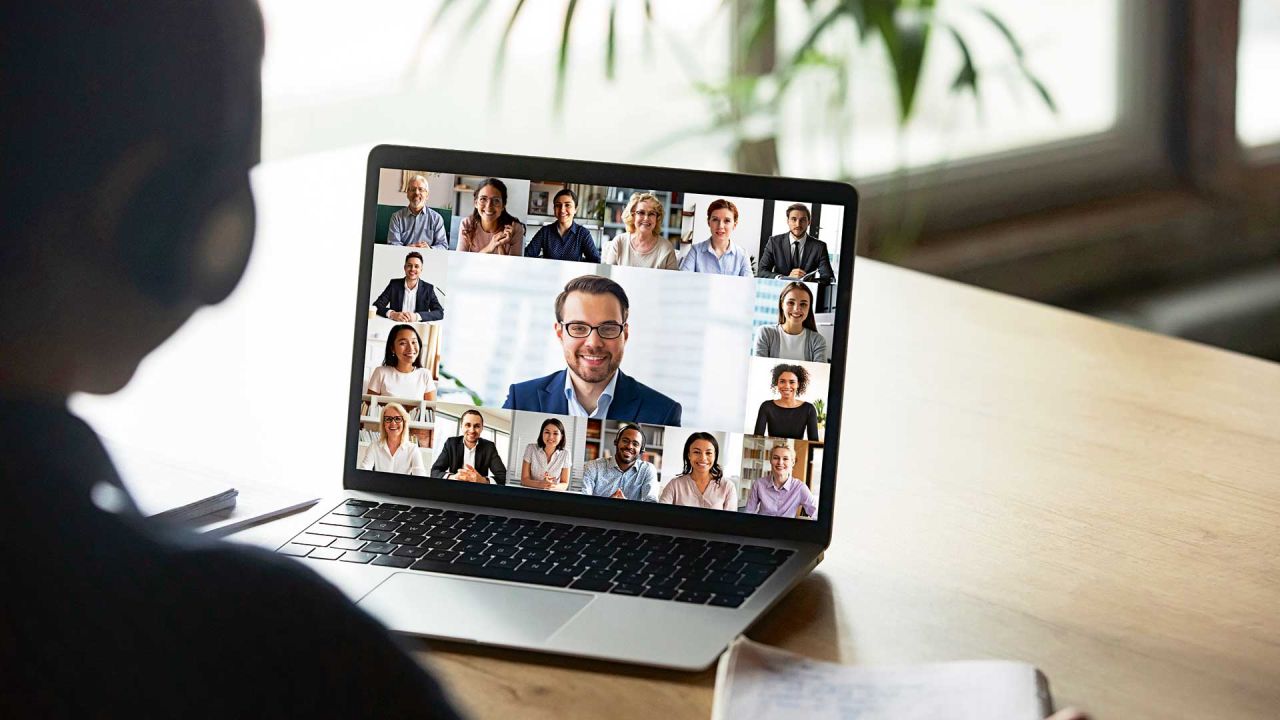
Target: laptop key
[(394, 561), (664, 581), (344, 520), (538, 567), (376, 536), (314, 540), (724, 577), (381, 514), (621, 589), (350, 510), (394, 506), (600, 574), (296, 550), (717, 588), (345, 544), (410, 551), (388, 525), (334, 531), (326, 554), (592, 585), (505, 540), (660, 593), (362, 503), (500, 551), (732, 601), (492, 573), (355, 556), (505, 563), (442, 555), (410, 539), (472, 559), (698, 598), (439, 544), (379, 548)]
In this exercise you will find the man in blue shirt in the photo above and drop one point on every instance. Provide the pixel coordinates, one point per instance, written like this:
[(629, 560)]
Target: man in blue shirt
[(564, 239), (417, 225), (624, 476)]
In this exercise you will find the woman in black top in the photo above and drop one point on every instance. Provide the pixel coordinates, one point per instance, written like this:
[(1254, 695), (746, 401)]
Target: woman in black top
[(788, 416)]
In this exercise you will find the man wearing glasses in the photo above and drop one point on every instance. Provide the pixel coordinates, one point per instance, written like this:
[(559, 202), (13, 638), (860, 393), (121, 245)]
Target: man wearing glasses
[(591, 323)]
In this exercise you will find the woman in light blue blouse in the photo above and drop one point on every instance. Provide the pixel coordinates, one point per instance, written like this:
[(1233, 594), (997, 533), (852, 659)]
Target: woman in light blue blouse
[(720, 254)]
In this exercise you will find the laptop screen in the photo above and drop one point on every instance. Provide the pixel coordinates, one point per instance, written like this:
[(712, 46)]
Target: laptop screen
[(644, 344)]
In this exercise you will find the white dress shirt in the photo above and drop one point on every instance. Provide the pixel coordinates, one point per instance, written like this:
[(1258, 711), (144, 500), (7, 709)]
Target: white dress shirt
[(406, 460)]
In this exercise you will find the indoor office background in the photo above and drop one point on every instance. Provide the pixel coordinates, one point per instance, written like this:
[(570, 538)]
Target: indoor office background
[(500, 330), (1118, 157)]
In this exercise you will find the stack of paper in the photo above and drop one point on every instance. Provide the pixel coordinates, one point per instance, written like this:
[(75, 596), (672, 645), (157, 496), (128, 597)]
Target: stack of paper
[(758, 682)]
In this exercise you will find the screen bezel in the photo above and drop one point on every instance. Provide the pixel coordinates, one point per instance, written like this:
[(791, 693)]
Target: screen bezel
[(609, 174)]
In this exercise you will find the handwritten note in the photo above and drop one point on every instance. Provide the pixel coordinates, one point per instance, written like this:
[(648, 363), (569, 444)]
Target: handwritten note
[(758, 682)]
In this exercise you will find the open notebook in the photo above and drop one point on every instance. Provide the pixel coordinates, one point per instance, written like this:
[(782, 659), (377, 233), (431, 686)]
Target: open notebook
[(755, 682)]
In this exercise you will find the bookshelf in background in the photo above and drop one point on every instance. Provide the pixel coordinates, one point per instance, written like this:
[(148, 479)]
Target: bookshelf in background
[(601, 436)]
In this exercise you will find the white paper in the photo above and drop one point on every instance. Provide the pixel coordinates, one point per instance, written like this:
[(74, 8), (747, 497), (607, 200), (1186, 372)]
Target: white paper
[(758, 682)]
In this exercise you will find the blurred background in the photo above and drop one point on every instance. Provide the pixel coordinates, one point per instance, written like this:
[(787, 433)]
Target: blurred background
[(1112, 156)]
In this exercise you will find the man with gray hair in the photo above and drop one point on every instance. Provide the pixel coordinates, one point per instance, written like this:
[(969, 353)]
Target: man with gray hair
[(418, 225)]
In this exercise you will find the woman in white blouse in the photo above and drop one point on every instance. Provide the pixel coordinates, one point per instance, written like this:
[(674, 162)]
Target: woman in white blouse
[(642, 245), (392, 451), (401, 374), (546, 462)]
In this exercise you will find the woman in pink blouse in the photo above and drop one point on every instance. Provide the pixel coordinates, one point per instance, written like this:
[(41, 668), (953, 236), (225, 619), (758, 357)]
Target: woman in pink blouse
[(490, 228), (703, 483)]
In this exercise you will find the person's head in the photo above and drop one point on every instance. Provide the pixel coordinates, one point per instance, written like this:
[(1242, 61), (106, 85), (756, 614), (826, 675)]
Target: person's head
[(413, 266), (782, 458), (417, 192), (155, 109), (796, 302), (790, 381), (702, 453), (798, 219), (591, 323), (394, 423), (565, 205), (404, 346), (628, 444), (491, 203), (551, 434), (643, 214), (722, 218), (472, 425)]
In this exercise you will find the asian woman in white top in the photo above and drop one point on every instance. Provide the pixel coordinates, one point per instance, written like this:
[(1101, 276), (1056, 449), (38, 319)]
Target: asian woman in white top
[(401, 373), (546, 462), (392, 451), (796, 335), (642, 245)]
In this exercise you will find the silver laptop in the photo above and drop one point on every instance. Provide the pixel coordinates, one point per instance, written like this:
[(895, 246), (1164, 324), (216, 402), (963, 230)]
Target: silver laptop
[(591, 410)]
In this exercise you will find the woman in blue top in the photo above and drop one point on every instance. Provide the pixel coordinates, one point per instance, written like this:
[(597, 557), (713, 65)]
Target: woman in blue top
[(719, 255)]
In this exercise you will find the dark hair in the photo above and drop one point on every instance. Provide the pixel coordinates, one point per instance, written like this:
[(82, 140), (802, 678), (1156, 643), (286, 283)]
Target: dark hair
[(628, 426), (177, 84), (572, 195), (798, 206), (592, 285), (558, 424), (722, 204), (505, 218), (809, 323), (389, 358), (716, 471), (471, 411), (414, 254), (802, 376)]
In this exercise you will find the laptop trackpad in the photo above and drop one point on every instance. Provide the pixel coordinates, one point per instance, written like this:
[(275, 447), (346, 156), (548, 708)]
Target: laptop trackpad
[(467, 609)]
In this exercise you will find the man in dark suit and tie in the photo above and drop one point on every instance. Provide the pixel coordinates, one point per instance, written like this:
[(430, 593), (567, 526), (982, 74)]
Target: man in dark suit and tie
[(407, 299), (469, 457), (795, 254), (591, 323)]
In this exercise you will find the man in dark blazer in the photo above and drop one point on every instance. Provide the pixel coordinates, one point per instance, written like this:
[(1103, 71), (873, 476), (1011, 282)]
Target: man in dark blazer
[(794, 254), (469, 457), (591, 324), (426, 306)]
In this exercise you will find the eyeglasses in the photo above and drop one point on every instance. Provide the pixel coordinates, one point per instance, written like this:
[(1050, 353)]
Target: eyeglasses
[(393, 420), (645, 213), (489, 201), (606, 331)]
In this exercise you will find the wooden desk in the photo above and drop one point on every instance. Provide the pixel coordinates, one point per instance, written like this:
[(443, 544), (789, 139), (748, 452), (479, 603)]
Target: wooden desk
[(1016, 482)]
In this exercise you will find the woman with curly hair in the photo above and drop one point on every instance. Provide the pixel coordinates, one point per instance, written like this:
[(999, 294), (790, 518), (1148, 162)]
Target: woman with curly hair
[(702, 483), (788, 416)]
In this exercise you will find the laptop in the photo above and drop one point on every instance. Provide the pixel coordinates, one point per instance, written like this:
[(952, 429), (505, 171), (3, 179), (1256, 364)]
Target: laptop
[(590, 410)]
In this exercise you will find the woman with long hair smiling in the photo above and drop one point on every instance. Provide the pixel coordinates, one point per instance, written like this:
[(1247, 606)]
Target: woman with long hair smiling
[(702, 484), (393, 451), (796, 335), (546, 462), (401, 373), (490, 228)]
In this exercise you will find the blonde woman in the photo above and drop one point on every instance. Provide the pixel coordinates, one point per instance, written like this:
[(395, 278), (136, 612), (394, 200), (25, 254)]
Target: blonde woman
[(642, 245), (392, 451)]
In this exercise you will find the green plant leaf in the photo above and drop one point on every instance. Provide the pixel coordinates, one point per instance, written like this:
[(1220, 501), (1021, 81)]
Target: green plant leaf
[(905, 32), (1020, 57), (500, 61), (967, 78), (611, 43), (562, 63)]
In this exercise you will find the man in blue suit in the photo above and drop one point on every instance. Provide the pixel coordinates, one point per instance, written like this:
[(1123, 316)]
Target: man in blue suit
[(591, 323), (408, 299)]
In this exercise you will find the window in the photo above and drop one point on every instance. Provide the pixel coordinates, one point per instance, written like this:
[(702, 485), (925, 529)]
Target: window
[(1257, 100)]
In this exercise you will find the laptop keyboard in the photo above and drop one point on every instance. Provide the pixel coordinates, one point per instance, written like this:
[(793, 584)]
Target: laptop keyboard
[(523, 550)]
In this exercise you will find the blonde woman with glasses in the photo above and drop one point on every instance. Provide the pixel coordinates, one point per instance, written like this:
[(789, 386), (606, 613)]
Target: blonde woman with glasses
[(642, 245), (393, 451)]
